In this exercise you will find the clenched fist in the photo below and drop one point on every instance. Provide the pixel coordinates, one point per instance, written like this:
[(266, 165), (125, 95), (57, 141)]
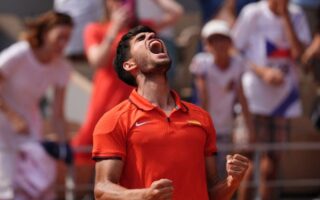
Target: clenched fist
[(237, 166), (160, 190)]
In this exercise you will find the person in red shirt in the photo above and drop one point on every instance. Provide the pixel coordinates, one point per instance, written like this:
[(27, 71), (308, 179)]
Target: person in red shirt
[(100, 39), (154, 145)]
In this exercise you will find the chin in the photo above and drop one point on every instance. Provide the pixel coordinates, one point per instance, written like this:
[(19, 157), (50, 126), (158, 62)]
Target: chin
[(165, 64)]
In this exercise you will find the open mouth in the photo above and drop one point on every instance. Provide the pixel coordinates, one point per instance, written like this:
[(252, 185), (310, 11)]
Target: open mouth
[(156, 47)]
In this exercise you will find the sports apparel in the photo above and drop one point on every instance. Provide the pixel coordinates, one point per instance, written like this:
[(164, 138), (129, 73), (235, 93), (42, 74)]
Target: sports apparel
[(154, 146), (221, 86), (108, 89), (260, 35), (25, 82)]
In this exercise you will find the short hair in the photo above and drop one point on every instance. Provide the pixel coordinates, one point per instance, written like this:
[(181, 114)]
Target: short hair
[(38, 27), (123, 54)]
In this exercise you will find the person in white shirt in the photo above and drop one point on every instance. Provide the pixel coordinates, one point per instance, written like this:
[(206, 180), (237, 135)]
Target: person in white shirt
[(272, 36), (217, 76), (27, 69)]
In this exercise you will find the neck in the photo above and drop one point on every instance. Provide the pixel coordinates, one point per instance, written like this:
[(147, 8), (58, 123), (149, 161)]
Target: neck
[(42, 55), (222, 62), (156, 91)]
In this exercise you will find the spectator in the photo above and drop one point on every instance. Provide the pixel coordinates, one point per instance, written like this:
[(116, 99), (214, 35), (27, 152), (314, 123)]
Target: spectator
[(82, 12), (27, 69), (100, 40), (153, 145), (217, 74), (272, 35), (210, 9)]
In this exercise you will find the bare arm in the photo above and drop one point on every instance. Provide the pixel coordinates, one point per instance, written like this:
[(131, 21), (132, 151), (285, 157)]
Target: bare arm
[(173, 12), (107, 186), (245, 110), (99, 55), (313, 50), (272, 76), (17, 122), (297, 47), (58, 118), (200, 84), (224, 189)]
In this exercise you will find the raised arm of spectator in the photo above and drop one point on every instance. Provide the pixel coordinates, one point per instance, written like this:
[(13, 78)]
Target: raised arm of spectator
[(296, 44), (173, 11), (99, 54)]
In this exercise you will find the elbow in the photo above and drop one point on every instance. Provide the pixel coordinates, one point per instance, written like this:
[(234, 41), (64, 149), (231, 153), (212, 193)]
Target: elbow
[(98, 193)]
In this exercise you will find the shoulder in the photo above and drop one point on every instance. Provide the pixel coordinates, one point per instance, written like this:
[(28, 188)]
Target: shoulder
[(200, 62), (203, 56), (113, 118), (17, 49), (195, 110), (254, 9), (199, 114)]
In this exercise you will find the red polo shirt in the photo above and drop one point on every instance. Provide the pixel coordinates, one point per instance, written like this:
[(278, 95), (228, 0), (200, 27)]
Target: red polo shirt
[(155, 146)]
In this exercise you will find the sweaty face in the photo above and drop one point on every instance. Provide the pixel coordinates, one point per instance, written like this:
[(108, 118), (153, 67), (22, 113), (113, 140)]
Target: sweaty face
[(150, 53), (56, 39)]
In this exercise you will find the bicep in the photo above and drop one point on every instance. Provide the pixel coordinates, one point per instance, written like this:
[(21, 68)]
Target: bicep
[(108, 170)]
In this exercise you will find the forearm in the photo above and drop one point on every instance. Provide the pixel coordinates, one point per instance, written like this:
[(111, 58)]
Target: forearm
[(295, 44), (111, 191), (99, 55), (223, 190)]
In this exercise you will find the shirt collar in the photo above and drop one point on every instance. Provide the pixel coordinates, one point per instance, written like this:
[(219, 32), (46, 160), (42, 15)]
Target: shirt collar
[(144, 104)]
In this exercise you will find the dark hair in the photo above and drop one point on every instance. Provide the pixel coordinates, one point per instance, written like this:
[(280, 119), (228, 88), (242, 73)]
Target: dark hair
[(38, 27), (123, 54)]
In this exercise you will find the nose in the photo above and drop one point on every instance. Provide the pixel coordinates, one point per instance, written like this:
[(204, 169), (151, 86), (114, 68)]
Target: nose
[(151, 35)]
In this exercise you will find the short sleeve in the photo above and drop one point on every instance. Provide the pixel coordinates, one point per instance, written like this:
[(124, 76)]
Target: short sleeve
[(63, 74), (199, 64), (109, 138), (211, 143)]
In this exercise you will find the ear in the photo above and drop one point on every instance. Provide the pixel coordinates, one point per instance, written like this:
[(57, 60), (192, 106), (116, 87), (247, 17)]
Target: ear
[(129, 66)]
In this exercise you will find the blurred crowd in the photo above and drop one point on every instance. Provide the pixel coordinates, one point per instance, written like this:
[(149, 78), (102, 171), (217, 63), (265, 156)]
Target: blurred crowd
[(248, 63)]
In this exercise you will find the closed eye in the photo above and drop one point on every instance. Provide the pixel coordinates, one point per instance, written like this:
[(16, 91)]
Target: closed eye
[(141, 37)]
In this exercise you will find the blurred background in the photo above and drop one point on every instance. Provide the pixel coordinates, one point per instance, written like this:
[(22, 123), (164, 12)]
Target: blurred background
[(298, 169)]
